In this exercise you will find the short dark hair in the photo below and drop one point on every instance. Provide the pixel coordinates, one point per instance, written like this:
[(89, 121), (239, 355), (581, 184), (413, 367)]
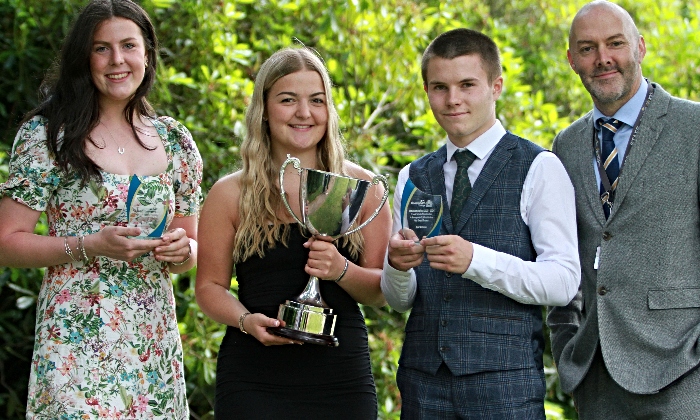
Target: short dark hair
[(69, 96), (462, 41)]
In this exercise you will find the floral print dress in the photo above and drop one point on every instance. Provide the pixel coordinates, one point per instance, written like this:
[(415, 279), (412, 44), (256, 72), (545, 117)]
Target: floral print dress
[(107, 343)]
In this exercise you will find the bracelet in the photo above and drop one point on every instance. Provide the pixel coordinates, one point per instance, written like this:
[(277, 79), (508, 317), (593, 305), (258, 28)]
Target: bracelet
[(189, 254), (240, 322), (345, 270), (81, 249), (69, 252)]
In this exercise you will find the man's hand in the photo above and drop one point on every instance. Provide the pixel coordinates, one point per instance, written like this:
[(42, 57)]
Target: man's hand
[(449, 253), (405, 253)]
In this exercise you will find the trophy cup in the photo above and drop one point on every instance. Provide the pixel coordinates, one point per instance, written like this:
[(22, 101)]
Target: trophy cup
[(330, 203), (420, 212)]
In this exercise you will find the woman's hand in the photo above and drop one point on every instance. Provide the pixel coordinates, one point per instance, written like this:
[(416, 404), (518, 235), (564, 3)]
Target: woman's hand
[(116, 242), (256, 325), (175, 247), (325, 262)]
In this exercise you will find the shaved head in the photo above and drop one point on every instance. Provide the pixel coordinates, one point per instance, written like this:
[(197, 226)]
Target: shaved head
[(606, 51), (629, 26)]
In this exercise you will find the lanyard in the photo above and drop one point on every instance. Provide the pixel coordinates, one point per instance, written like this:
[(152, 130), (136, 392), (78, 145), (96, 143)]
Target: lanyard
[(608, 195)]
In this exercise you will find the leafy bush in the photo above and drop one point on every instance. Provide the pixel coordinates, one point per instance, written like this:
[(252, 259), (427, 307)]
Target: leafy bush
[(210, 54)]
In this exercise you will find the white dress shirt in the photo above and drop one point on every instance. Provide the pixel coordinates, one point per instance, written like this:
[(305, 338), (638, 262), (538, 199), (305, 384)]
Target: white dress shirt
[(548, 209)]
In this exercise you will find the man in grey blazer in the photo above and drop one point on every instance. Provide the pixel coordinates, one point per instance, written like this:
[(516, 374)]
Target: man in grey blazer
[(628, 345)]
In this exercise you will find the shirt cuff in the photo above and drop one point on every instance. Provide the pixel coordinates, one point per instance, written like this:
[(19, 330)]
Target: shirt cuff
[(399, 287), (482, 266)]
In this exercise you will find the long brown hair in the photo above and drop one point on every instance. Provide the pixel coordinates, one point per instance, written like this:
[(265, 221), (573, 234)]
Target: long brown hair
[(69, 96)]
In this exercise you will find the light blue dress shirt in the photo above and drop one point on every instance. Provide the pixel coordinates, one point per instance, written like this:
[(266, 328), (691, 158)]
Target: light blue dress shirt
[(628, 115)]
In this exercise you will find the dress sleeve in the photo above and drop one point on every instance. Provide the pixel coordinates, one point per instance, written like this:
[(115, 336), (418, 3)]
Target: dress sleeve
[(34, 175), (187, 168)]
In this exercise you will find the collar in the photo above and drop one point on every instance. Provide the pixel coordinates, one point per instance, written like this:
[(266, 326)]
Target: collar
[(629, 111), (482, 145)]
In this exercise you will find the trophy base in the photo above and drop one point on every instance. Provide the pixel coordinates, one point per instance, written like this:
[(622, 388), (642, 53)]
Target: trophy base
[(307, 323), (321, 339)]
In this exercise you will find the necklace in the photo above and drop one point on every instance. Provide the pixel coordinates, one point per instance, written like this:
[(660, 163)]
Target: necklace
[(120, 148)]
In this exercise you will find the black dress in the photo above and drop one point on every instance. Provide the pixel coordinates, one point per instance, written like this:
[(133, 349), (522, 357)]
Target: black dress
[(293, 381)]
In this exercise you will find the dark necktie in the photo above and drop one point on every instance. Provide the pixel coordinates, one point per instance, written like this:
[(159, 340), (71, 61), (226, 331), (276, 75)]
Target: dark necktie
[(461, 187), (611, 163)]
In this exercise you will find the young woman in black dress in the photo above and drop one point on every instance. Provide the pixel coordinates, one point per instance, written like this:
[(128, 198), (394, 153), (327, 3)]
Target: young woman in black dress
[(244, 224)]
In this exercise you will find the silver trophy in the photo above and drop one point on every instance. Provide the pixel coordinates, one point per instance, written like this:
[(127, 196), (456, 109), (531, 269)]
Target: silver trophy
[(330, 204)]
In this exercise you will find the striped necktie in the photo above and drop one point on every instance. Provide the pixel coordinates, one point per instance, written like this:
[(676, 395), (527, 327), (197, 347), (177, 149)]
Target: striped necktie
[(611, 163)]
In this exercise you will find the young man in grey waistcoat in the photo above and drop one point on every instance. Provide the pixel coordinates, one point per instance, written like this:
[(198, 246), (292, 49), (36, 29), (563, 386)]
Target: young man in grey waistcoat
[(628, 345), (474, 344)]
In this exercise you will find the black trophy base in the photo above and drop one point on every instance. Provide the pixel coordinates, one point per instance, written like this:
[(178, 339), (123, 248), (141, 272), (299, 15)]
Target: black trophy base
[(320, 339)]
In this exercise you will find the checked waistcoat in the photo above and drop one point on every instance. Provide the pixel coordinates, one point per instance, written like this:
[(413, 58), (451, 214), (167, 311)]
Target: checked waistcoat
[(455, 320)]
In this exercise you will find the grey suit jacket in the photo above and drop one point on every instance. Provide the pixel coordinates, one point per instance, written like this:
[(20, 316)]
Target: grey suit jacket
[(642, 305)]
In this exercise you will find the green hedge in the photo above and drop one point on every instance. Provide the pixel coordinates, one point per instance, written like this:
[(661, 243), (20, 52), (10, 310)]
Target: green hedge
[(211, 50)]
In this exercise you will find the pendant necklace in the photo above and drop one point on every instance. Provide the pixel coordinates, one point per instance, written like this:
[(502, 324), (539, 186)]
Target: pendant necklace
[(120, 148)]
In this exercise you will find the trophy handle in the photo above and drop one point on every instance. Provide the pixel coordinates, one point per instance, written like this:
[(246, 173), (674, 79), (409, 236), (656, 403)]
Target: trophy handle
[(376, 180), (297, 166)]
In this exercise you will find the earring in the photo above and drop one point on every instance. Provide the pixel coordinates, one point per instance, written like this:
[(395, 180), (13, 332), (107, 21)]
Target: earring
[(265, 119), (146, 64)]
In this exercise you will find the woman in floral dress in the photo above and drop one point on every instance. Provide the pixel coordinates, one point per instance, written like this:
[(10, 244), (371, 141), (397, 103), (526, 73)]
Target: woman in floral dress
[(120, 189)]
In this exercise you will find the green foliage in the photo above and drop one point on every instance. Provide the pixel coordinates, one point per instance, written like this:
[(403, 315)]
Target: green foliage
[(17, 331), (201, 338), (210, 54), (30, 34), (385, 327)]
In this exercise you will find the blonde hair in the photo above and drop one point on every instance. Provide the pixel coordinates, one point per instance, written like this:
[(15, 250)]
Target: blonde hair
[(259, 225)]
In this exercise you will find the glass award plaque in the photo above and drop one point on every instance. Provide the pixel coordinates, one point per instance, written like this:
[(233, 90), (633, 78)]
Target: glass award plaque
[(143, 211), (420, 212)]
